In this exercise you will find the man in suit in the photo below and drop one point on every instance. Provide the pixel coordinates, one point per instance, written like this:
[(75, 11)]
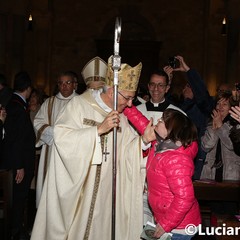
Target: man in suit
[(19, 149)]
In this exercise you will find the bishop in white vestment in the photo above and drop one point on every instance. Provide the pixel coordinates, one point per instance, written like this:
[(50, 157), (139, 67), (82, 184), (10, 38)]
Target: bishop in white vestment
[(76, 202)]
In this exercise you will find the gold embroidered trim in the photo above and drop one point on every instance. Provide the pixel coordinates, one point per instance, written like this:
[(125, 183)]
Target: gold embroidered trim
[(90, 122), (40, 131), (96, 182), (94, 197), (50, 108)]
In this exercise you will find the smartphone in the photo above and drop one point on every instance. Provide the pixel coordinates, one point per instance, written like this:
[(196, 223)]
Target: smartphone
[(172, 61)]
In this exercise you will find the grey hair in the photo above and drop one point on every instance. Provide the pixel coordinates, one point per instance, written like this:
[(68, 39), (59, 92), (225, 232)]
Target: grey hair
[(105, 88)]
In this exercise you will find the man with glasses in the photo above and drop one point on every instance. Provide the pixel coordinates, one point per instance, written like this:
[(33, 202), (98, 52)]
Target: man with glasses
[(77, 197), (158, 86), (45, 120)]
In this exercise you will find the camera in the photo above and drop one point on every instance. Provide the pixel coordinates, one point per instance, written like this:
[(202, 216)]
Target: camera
[(172, 61), (237, 86)]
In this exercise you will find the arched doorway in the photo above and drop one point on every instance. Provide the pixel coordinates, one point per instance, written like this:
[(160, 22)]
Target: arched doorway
[(137, 44)]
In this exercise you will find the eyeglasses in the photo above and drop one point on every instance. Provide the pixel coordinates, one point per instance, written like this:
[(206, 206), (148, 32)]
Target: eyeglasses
[(224, 91), (65, 83), (126, 98), (158, 85)]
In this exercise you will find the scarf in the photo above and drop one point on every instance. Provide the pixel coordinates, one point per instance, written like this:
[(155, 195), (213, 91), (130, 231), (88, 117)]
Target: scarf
[(164, 144)]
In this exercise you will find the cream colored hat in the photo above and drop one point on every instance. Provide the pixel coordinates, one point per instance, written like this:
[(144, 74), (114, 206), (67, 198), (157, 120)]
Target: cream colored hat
[(94, 70), (128, 77)]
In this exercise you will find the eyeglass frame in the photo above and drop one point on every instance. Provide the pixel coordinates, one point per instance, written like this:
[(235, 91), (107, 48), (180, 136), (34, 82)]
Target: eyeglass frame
[(126, 98), (68, 83), (158, 85)]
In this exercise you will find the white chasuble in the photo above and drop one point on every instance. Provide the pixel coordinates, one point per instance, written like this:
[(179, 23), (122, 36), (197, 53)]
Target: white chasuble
[(49, 111), (76, 202)]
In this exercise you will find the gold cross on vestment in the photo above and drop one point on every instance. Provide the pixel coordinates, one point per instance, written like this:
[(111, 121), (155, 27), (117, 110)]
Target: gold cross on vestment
[(104, 146), (106, 153), (131, 75)]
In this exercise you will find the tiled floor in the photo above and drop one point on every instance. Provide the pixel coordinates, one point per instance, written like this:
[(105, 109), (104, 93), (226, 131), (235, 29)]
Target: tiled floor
[(29, 219), (29, 215)]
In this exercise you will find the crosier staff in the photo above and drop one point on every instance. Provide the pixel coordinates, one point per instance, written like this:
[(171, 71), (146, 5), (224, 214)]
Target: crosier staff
[(116, 65)]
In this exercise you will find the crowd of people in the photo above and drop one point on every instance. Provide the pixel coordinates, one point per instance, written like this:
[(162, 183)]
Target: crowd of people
[(61, 147)]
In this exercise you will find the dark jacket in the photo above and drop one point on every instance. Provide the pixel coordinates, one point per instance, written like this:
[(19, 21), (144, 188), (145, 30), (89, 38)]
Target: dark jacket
[(199, 110), (19, 139), (1, 136), (235, 138), (5, 95)]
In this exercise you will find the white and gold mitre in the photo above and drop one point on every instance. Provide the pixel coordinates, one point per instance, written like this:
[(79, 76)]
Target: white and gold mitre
[(94, 70), (128, 76)]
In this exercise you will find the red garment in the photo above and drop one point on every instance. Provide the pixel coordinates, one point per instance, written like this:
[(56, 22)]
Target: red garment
[(170, 188), (169, 178), (138, 120)]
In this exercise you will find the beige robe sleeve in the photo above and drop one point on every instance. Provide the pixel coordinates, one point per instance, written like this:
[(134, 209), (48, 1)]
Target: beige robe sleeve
[(78, 143)]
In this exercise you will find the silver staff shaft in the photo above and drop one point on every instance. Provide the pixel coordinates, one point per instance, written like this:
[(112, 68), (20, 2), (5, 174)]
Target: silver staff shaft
[(116, 65)]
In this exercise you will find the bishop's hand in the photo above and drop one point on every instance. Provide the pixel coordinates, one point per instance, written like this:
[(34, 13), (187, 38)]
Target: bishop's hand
[(112, 120)]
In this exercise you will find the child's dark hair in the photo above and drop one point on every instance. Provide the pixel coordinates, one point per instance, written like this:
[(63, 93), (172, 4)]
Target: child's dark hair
[(179, 127)]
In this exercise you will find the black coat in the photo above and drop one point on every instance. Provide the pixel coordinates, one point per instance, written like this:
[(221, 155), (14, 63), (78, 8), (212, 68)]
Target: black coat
[(19, 140), (1, 136), (5, 96), (235, 138)]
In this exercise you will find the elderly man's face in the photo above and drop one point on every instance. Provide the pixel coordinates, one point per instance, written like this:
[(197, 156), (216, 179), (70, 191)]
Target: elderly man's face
[(66, 85), (96, 85), (125, 99)]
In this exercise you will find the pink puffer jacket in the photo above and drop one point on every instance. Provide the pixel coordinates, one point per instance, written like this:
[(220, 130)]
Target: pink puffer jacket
[(138, 120), (169, 177), (170, 188)]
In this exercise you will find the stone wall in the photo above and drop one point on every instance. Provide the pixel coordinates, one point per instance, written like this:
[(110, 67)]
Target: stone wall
[(65, 36)]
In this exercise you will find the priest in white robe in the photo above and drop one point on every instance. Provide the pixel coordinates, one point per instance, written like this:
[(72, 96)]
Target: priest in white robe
[(45, 120), (76, 202)]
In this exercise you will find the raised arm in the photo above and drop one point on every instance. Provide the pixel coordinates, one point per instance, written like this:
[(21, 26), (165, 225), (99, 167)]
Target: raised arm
[(137, 119)]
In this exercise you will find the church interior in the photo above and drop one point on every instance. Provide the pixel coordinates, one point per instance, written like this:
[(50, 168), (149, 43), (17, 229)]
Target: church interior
[(47, 37)]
